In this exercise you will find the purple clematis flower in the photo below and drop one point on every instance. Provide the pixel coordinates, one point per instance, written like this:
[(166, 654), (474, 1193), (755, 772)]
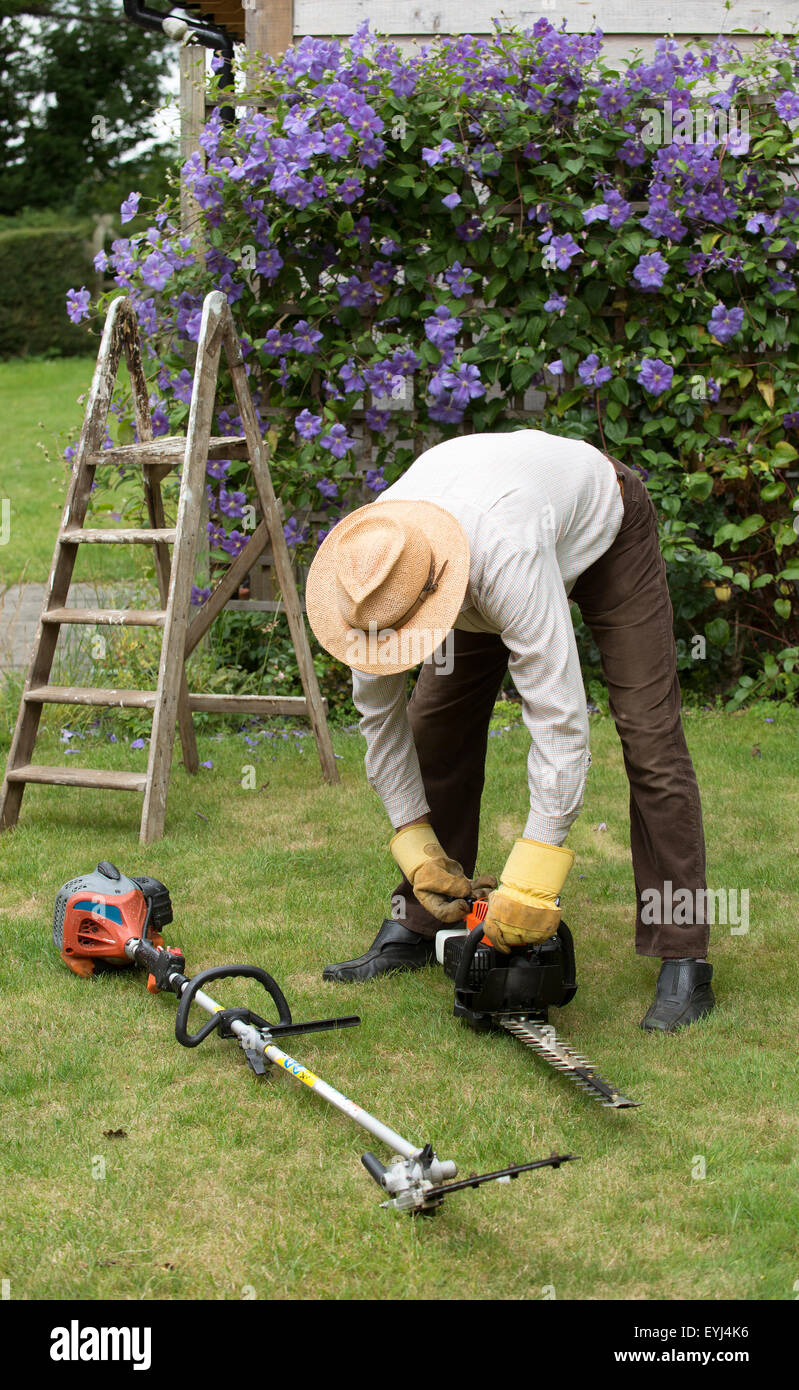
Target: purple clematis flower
[(78, 304), (556, 304), (337, 441), (650, 271), (129, 208), (590, 372), (373, 477), (456, 277), (655, 376), (307, 425), (725, 323), (350, 190), (442, 328), (305, 337), (787, 106)]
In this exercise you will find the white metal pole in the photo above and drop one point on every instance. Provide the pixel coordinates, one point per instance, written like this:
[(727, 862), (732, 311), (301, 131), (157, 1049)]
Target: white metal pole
[(252, 1039)]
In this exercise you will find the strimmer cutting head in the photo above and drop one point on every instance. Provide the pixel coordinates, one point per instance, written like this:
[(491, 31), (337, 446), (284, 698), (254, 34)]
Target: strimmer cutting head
[(516, 991)]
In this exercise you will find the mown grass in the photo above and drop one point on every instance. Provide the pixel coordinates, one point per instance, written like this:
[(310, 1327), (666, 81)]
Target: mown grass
[(222, 1184), (41, 414)]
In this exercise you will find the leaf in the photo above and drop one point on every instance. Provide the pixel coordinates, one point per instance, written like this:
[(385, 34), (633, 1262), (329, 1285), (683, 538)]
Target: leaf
[(771, 491), (619, 390), (632, 242), (718, 632), (699, 486), (495, 287), (766, 389), (616, 430), (521, 374), (782, 606)]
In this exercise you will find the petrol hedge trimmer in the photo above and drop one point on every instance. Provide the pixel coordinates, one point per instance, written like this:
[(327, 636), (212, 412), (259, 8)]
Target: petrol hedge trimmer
[(516, 991), (105, 920)]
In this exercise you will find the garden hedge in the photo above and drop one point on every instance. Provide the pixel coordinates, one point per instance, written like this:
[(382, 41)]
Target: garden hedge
[(37, 267)]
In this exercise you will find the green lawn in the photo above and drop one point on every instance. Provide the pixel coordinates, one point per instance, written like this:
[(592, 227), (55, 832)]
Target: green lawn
[(41, 414), (220, 1182)]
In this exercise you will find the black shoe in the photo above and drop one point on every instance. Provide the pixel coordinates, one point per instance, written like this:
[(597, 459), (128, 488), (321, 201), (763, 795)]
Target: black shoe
[(683, 995), (394, 948)]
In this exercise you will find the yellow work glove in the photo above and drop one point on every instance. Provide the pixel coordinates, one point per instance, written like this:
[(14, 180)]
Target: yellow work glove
[(523, 910), (438, 882)]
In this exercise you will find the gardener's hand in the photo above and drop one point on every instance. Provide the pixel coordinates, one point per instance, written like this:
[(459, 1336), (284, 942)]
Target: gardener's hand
[(524, 910), (438, 882)]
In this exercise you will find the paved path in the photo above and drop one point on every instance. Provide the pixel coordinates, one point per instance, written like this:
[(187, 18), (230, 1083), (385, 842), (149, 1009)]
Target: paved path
[(20, 607)]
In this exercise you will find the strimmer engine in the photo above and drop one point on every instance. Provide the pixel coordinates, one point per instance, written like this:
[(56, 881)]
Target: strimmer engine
[(98, 913)]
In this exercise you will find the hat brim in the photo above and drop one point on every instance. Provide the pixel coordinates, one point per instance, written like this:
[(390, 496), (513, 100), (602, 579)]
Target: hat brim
[(402, 648)]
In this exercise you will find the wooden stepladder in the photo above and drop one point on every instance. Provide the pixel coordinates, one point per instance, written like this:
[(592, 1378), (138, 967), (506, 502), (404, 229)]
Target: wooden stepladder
[(171, 703)]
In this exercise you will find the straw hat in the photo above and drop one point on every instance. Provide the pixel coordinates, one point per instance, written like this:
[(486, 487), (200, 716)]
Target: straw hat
[(386, 585)]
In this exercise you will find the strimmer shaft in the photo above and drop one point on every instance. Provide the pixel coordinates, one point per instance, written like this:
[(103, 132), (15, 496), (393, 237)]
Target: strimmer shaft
[(251, 1041), (544, 1041)]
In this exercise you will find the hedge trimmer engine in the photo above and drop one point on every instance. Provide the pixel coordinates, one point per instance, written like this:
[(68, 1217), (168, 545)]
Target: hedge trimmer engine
[(105, 920), (516, 992)]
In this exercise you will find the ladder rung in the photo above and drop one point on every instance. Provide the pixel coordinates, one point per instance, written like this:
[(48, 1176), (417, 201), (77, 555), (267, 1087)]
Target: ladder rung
[(76, 695), (80, 777), (123, 617), (76, 536), (168, 450), (249, 704)]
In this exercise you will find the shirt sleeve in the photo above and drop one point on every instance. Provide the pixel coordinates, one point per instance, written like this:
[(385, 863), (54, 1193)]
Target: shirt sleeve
[(392, 763), (545, 668)]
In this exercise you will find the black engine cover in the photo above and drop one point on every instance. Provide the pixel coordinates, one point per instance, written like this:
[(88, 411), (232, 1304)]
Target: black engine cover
[(528, 981)]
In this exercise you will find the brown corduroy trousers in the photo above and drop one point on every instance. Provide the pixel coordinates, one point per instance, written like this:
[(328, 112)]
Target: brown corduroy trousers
[(624, 600)]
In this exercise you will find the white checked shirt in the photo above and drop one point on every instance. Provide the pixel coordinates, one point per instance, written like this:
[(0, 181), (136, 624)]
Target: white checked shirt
[(537, 510)]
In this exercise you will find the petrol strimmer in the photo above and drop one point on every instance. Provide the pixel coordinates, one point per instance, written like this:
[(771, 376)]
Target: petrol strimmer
[(516, 992), (105, 920)]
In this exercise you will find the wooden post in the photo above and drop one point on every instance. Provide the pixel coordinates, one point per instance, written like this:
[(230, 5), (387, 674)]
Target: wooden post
[(268, 26), (192, 119)]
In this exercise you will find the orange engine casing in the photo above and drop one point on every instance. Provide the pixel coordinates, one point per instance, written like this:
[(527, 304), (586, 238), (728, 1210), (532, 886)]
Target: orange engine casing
[(96, 928)]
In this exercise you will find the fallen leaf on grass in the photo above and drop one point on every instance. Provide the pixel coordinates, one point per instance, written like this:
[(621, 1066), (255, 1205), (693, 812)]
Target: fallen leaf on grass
[(115, 1134)]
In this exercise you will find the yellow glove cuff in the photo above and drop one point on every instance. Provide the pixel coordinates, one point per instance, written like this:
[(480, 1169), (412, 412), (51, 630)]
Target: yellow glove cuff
[(413, 846), (537, 868)]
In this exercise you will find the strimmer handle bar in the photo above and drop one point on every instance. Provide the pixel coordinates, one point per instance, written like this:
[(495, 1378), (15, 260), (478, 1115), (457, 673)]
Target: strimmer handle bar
[(223, 1019), (225, 972)]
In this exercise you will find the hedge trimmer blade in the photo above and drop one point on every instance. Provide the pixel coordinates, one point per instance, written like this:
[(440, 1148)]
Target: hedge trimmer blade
[(502, 1175), (544, 1041)]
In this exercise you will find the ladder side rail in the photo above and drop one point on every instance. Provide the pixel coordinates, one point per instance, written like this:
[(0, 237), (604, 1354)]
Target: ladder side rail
[(152, 475), (171, 672), (258, 450), (77, 500)]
